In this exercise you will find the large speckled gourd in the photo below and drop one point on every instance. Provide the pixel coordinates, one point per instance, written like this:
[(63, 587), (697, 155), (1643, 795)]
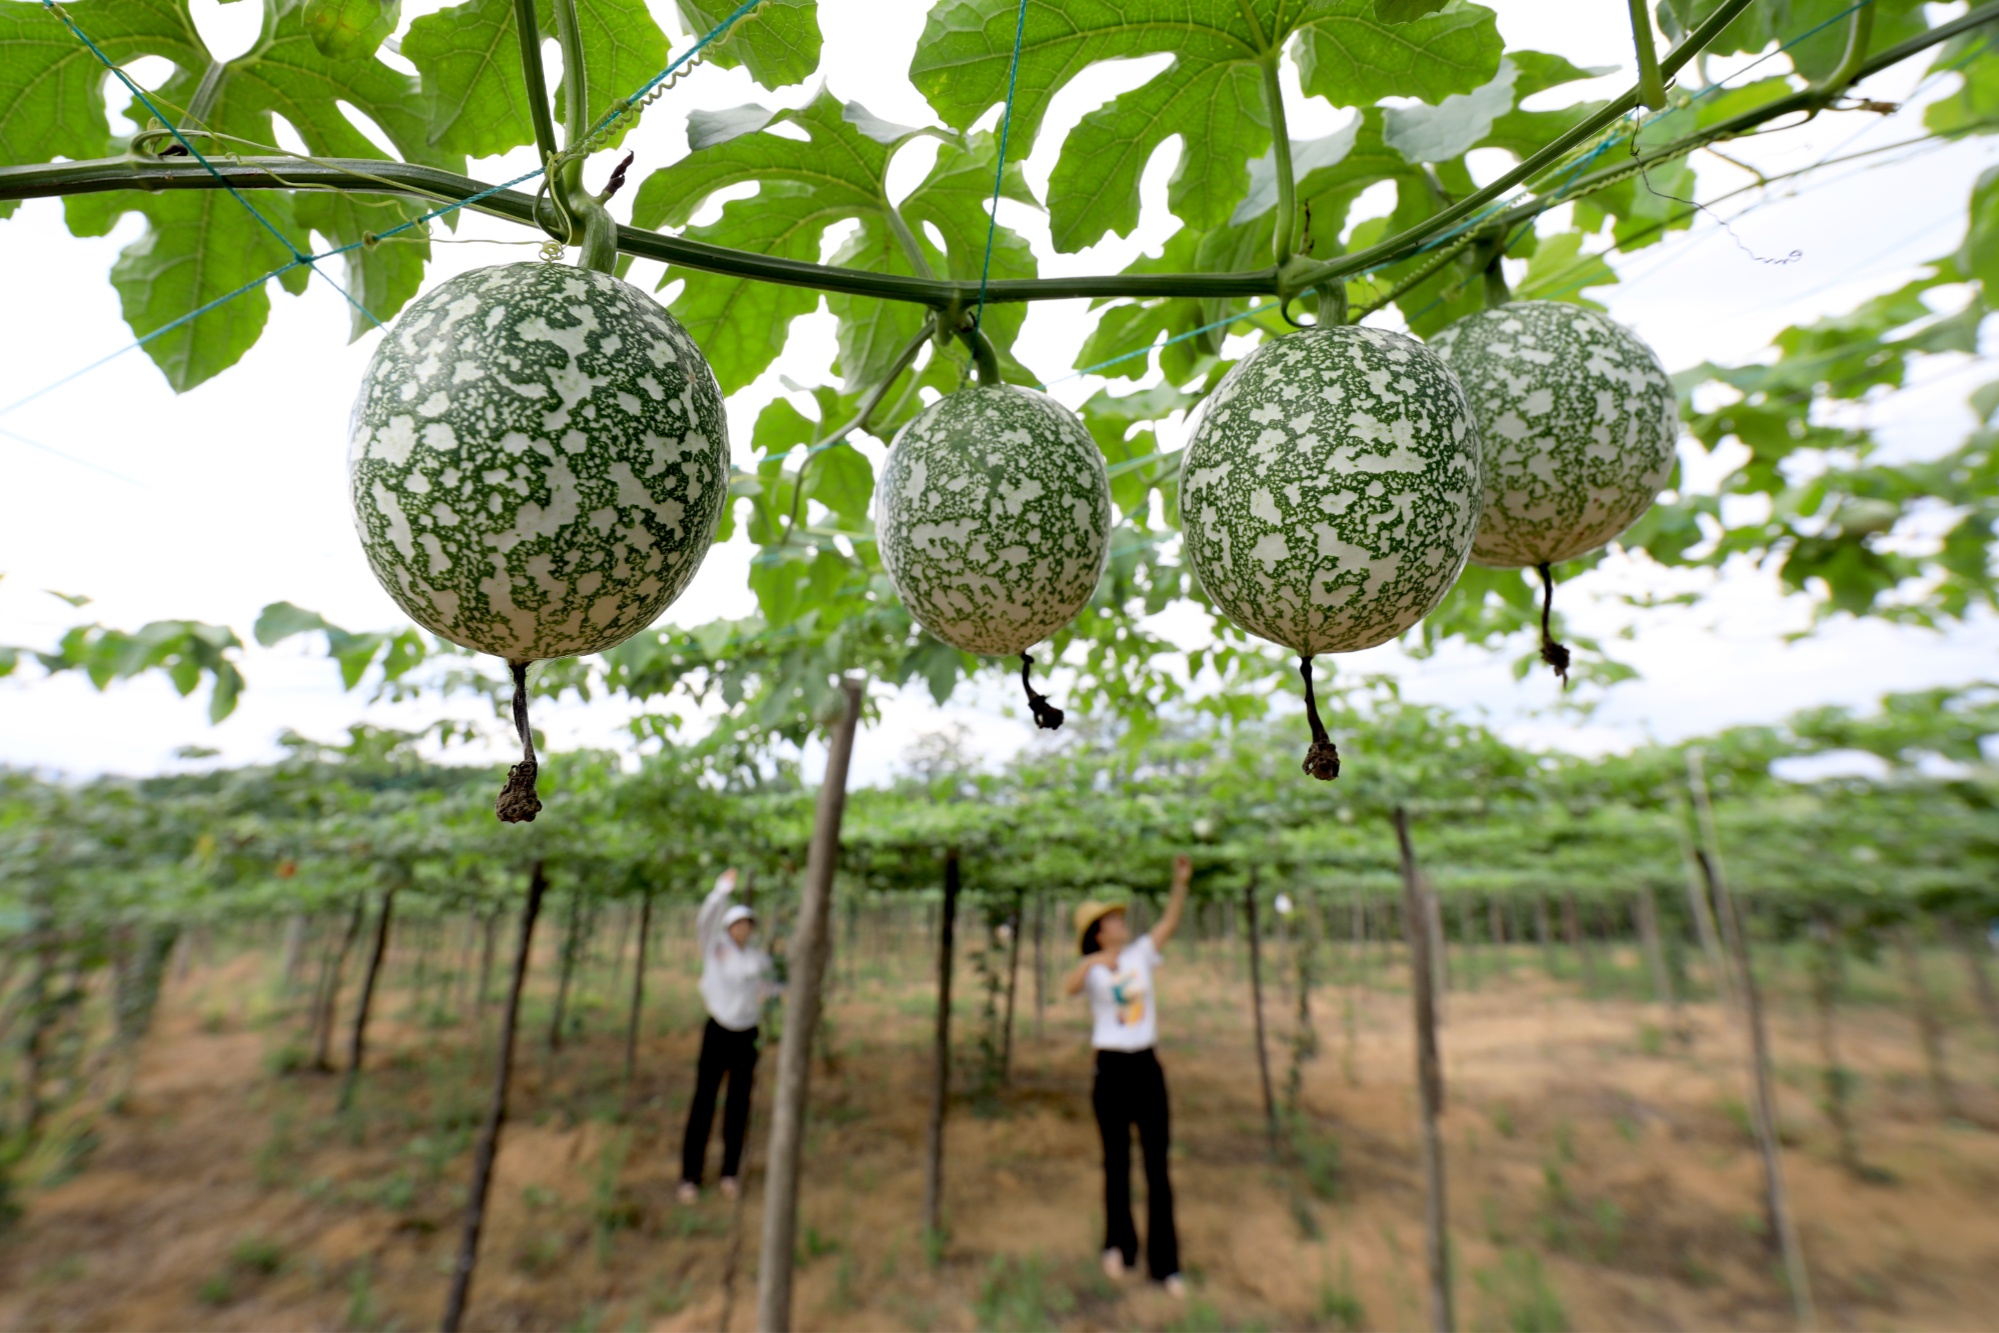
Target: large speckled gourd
[(993, 514), (1577, 420), (537, 461), (1330, 493)]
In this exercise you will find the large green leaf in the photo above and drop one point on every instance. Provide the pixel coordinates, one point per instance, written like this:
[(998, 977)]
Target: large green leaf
[(470, 58), (1348, 54), (838, 172), (201, 247), (52, 86), (778, 44), (740, 324), (1212, 94)]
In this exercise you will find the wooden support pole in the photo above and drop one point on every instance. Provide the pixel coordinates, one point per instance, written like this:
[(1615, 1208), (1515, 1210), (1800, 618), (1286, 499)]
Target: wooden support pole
[(1977, 953), (940, 1054), (1783, 1226), (357, 1039), (496, 1114), (1701, 910), (1929, 1026), (1256, 1005), (638, 992), (329, 995), (1015, 922), (807, 968), (1429, 1082), (1828, 974), (1645, 909)]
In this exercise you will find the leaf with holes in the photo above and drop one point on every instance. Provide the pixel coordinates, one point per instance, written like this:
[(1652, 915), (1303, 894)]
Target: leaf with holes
[(476, 98), (838, 171), (201, 246), (1212, 92), (778, 44)]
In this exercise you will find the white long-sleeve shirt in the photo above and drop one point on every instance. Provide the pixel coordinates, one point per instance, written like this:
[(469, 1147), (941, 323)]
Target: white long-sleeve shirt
[(734, 980)]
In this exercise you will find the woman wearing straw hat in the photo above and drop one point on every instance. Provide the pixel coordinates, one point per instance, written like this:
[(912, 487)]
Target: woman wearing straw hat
[(1130, 1087), (735, 979)]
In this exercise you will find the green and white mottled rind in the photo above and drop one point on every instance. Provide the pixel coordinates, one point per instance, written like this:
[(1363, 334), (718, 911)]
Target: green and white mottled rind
[(537, 460), (1578, 422), (993, 513), (1331, 489)]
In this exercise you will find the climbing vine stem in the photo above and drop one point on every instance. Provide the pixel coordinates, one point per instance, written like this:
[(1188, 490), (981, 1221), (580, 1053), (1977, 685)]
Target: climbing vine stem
[(1651, 88), (378, 176), (598, 233)]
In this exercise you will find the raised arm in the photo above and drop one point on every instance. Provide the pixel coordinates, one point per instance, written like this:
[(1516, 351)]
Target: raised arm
[(1169, 920), (708, 920)]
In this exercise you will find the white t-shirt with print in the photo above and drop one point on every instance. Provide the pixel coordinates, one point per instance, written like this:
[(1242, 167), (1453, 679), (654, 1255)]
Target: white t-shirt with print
[(1122, 1010)]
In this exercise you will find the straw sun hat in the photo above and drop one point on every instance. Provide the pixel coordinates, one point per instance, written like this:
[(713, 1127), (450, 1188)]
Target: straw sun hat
[(1089, 913)]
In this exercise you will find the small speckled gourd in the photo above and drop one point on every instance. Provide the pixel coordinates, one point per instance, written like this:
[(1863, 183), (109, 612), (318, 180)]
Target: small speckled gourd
[(1330, 493), (1577, 420), (993, 513), (537, 462)]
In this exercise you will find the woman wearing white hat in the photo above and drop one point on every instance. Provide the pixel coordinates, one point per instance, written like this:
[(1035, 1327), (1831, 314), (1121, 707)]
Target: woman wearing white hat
[(735, 978), (1130, 1087)]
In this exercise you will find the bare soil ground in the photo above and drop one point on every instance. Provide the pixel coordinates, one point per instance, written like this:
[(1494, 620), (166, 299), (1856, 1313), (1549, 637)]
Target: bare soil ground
[(1602, 1174)]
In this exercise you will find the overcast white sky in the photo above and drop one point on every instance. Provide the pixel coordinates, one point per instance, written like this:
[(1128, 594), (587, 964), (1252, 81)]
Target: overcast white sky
[(212, 504)]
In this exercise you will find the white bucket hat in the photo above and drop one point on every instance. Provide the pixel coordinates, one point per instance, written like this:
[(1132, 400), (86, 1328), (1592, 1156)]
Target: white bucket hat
[(735, 914)]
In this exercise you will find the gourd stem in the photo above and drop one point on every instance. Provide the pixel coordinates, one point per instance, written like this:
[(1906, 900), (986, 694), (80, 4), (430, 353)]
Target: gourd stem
[(984, 359), (1046, 715), (1651, 88), (1322, 757), (1333, 309), (1555, 654), (1497, 293), (518, 802)]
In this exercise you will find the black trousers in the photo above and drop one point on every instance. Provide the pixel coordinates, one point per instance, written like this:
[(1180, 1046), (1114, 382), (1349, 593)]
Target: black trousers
[(733, 1054), (1131, 1089)]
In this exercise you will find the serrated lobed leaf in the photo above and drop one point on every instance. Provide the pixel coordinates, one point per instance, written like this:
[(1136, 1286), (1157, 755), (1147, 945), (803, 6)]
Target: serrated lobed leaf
[(475, 94), (778, 44), (1212, 94)]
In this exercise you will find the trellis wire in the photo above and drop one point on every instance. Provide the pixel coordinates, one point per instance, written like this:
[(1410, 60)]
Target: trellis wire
[(1574, 170), (188, 148), (999, 168), (630, 105), (637, 101)]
